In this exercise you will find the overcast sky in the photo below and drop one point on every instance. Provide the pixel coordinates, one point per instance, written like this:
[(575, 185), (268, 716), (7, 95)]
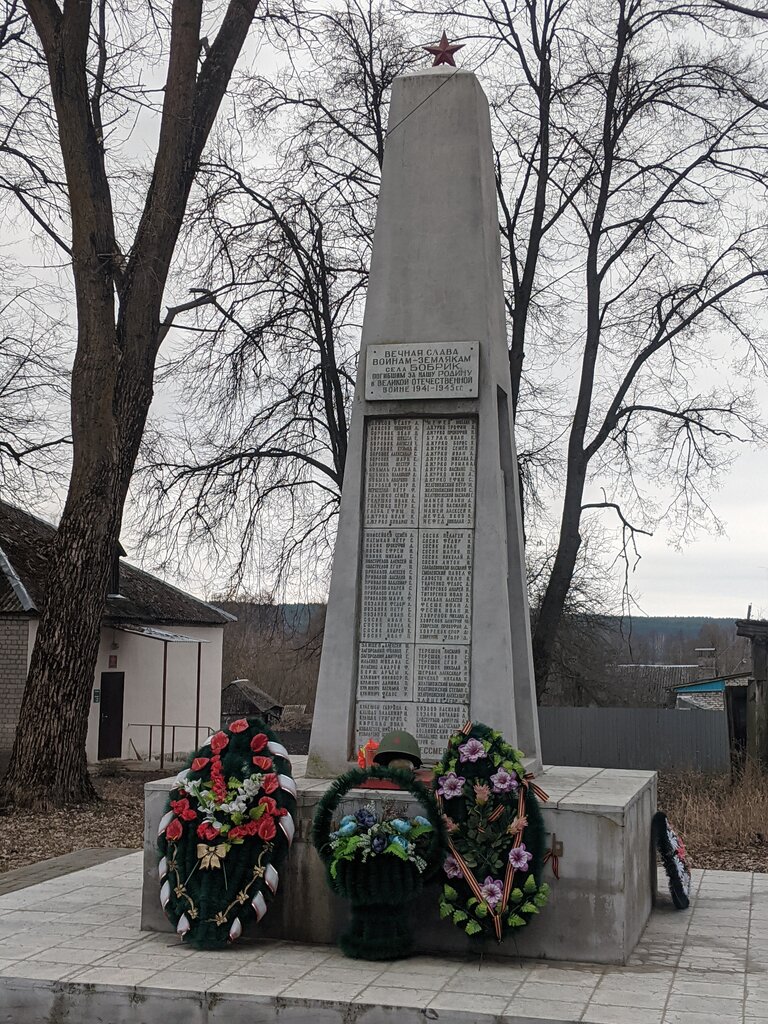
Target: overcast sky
[(721, 575), (715, 575)]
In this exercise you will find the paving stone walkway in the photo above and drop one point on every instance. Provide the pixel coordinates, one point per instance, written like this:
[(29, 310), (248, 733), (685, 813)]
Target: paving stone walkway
[(71, 950), (54, 867)]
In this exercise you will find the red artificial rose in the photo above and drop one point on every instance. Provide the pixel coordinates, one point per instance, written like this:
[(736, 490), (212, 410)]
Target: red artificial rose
[(265, 828), (182, 808), (262, 762), (239, 726), (199, 763), (236, 833), (218, 741), (270, 783), (250, 829), (219, 783), (207, 831), (174, 830), (258, 742)]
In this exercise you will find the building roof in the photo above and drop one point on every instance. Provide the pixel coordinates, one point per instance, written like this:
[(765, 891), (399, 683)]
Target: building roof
[(706, 686), (25, 543), (755, 629), (713, 684), (649, 685), (241, 694)]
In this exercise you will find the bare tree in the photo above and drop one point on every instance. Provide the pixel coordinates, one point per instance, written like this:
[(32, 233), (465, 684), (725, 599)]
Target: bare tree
[(626, 159), (632, 206), (33, 440), (275, 646), (119, 287), (760, 13), (270, 379)]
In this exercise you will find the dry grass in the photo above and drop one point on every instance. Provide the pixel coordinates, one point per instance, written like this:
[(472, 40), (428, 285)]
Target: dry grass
[(723, 822)]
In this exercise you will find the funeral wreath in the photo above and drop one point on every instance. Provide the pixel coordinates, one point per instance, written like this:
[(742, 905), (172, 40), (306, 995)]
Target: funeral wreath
[(495, 835), (378, 861), (228, 825), (674, 858)]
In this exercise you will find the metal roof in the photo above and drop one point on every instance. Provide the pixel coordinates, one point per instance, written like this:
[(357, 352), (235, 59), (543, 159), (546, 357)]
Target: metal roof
[(161, 634), (25, 551)]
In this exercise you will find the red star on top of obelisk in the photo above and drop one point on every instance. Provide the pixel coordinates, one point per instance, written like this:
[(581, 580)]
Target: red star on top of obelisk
[(444, 51)]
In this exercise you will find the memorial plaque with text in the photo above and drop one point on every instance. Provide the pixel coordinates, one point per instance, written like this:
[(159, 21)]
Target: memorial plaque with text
[(414, 652), (439, 370), (449, 456), (434, 723), (384, 672), (388, 585), (392, 471), (374, 718), (441, 674), (444, 587)]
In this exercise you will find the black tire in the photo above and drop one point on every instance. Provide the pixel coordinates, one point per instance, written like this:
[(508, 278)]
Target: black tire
[(667, 841)]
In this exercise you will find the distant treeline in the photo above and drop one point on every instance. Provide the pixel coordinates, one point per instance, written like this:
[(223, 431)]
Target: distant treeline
[(278, 647), (689, 626)]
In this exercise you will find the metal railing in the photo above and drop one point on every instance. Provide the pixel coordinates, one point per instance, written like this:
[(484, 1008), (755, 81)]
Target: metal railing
[(209, 730)]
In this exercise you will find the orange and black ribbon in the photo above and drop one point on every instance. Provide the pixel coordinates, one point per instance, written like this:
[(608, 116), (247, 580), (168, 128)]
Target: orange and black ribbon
[(551, 854)]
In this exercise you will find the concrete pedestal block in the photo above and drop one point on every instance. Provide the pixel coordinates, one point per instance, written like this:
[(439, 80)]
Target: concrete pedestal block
[(597, 910)]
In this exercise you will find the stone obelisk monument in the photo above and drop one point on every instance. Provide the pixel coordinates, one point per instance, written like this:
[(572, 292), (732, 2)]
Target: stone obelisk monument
[(427, 621)]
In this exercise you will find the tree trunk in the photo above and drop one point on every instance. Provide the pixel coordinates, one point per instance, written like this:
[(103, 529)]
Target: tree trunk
[(48, 765), (559, 583), (113, 371)]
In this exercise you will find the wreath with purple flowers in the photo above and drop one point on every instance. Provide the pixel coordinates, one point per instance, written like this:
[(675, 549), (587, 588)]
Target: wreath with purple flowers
[(495, 834)]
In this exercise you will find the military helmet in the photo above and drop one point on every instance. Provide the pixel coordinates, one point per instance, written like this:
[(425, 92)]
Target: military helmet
[(396, 745)]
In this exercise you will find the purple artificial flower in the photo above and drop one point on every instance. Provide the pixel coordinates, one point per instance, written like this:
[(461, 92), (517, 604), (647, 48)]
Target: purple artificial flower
[(519, 857), (472, 750), (450, 785), (365, 817), (503, 782), (451, 867), (492, 890), (379, 844)]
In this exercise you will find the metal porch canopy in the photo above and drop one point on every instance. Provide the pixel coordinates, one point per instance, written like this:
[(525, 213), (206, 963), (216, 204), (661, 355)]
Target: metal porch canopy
[(166, 637)]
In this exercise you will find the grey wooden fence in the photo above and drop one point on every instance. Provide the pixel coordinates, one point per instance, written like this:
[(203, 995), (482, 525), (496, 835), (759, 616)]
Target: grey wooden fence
[(648, 738)]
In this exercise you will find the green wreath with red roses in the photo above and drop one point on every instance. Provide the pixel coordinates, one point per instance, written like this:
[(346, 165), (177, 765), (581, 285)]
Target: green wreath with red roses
[(228, 825)]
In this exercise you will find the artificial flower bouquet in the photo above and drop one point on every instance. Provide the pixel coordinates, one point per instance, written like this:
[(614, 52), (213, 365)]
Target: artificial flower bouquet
[(228, 825), (495, 834), (363, 835)]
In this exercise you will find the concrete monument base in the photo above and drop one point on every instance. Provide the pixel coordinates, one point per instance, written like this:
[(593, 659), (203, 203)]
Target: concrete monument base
[(597, 910)]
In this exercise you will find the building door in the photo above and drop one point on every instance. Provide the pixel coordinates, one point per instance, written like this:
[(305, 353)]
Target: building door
[(111, 715)]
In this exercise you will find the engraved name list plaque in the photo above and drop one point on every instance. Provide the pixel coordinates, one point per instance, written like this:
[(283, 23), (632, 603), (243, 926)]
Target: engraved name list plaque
[(415, 624)]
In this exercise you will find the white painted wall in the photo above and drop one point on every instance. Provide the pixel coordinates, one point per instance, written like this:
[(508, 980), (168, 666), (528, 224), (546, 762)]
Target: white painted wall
[(141, 660)]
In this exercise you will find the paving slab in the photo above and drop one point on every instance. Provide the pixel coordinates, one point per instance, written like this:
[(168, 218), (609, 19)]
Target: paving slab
[(55, 867), (109, 970)]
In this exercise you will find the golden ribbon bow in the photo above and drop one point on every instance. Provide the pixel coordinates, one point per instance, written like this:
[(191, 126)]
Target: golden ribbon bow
[(211, 856)]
